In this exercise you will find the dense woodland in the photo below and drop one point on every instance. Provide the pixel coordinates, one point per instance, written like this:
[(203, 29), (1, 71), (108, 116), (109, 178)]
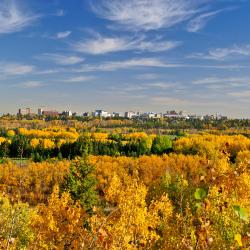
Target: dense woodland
[(67, 185)]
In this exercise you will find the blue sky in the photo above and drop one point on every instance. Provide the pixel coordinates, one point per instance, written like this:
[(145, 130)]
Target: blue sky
[(118, 55)]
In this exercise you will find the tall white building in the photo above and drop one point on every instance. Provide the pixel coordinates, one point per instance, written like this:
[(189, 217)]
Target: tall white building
[(101, 113), (130, 114)]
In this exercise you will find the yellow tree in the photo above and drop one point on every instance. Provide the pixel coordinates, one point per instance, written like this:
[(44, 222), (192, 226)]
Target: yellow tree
[(59, 225), (130, 224), (15, 221)]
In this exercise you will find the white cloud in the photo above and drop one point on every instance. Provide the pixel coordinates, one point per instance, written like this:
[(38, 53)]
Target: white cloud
[(150, 62), (103, 45), (63, 34), (144, 86), (12, 18), (200, 21), (48, 71), (30, 84), (128, 64), (146, 14), (13, 69), (79, 79), (162, 85), (61, 59), (236, 81), (157, 46), (221, 54), (132, 88)]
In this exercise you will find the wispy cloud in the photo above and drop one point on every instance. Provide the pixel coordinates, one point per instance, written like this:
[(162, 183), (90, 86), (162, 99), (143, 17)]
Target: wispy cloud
[(30, 84), (79, 79), (63, 34), (13, 18), (200, 21), (162, 85), (149, 62), (14, 69), (235, 81), (48, 71), (220, 54), (146, 14), (127, 64), (61, 59), (103, 45), (145, 86)]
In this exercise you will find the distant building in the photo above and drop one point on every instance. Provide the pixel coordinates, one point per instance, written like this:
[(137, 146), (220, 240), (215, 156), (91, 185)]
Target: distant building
[(67, 113), (47, 112), (101, 113), (151, 115), (116, 114), (130, 114), (148, 115), (40, 112), (175, 114), (51, 113), (221, 117), (158, 115), (209, 117), (195, 117), (26, 111)]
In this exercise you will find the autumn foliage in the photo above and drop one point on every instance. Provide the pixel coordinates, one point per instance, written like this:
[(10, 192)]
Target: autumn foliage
[(197, 196)]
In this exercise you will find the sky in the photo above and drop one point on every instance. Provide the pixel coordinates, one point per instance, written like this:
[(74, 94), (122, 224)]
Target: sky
[(120, 55)]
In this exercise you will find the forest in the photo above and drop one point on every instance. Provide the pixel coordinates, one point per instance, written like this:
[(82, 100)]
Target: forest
[(67, 186)]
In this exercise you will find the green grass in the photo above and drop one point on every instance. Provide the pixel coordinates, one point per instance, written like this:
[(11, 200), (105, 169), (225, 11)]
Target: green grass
[(17, 161)]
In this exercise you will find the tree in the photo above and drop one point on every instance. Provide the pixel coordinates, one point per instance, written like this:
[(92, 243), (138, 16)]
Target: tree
[(81, 184), (15, 224), (130, 224), (161, 144), (59, 225)]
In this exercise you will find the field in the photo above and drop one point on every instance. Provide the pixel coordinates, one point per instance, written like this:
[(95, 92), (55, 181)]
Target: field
[(69, 187)]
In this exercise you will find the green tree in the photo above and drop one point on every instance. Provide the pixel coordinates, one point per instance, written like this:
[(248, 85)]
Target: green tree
[(161, 144), (81, 184)]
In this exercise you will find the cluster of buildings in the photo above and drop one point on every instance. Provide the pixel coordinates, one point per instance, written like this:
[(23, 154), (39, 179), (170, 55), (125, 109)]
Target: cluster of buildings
[(128, 114)]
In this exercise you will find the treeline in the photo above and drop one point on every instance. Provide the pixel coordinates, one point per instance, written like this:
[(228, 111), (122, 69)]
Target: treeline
[(137, 123), (188, 124), (20, 146)]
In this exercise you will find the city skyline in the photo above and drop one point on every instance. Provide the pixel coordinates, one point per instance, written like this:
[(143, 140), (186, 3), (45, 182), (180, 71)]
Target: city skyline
[(126, 55), (48, 111)]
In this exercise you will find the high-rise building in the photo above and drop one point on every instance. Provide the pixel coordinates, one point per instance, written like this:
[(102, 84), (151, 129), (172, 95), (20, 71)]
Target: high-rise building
[(40, 111), (26, 111)]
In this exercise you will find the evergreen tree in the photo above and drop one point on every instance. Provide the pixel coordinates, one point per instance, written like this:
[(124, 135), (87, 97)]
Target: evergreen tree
[(81, 184)]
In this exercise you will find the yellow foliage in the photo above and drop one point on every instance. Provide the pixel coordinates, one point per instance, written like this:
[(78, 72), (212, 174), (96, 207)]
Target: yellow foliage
[(11, 133), (135, 136), (32, 183), (131, 224), (2, 140), (34, 142), (59, 225), (50, 133)]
